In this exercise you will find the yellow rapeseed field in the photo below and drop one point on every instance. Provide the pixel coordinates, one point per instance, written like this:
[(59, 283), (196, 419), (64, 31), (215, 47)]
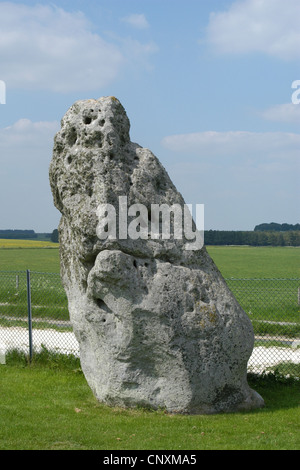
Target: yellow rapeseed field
[(26, 244)]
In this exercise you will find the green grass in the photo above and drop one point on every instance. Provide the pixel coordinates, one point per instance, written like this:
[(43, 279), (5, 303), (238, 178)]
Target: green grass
[(233, 261), (262, 300), (270, 300), (275, 301), (256, 262), (49, 406), (48, 298), (36, 259)]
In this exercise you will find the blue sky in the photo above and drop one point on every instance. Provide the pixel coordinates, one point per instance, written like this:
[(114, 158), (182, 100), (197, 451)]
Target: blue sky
[(207, 86)]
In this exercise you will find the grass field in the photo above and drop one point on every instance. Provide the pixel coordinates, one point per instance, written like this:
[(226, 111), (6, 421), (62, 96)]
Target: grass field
[(34, 257), (257, 262), (233, 261), (274, 301), (272, 305), (49, 406)]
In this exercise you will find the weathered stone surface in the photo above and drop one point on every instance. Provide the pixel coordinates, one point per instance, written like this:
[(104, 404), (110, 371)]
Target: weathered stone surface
[(156, 323)]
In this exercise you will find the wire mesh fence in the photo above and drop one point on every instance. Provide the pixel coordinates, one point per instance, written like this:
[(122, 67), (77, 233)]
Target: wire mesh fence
[(47, 313), (273, 305), (34, 315)]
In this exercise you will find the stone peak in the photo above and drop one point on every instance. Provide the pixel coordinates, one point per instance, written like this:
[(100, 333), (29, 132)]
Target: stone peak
[(105, 115)]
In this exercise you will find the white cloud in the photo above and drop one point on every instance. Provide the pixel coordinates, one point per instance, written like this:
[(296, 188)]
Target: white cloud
[(138, 21), (283, 113), (236, 144), (45, 47), (267, 26), (22, 141)]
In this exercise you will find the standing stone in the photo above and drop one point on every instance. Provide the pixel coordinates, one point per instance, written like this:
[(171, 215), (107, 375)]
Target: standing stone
[(156, 323)]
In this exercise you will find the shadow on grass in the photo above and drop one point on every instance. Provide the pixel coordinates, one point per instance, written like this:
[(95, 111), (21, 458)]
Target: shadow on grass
[(278, 391)]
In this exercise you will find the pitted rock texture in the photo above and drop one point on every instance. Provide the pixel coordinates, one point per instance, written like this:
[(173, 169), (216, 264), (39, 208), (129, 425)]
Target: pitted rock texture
[(156, 323)]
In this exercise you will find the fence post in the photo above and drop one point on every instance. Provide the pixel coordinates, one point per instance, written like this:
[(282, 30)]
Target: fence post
[(29, 314)]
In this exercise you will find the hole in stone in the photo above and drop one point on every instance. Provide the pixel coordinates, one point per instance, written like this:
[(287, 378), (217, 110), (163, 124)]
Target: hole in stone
[(134, 263), (87, 120), (72, 136), (102, 122), (69, 159), (101, 304)]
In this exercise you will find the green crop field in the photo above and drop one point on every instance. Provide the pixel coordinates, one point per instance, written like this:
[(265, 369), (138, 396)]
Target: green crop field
[(35, 259), (265, 281), (233, 261), (257, 262)]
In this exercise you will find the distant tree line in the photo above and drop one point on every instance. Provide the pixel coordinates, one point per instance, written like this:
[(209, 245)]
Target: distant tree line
[(17, 234), (258, 237), (276, 227), (220, 237), (28, 235), (54, 236), (252, 238)]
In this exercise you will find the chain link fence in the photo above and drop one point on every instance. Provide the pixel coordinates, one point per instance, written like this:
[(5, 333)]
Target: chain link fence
[(273, 305), (34, 315)]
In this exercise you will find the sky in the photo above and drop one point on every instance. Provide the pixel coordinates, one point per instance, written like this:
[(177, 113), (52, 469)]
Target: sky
[(211, 87)]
